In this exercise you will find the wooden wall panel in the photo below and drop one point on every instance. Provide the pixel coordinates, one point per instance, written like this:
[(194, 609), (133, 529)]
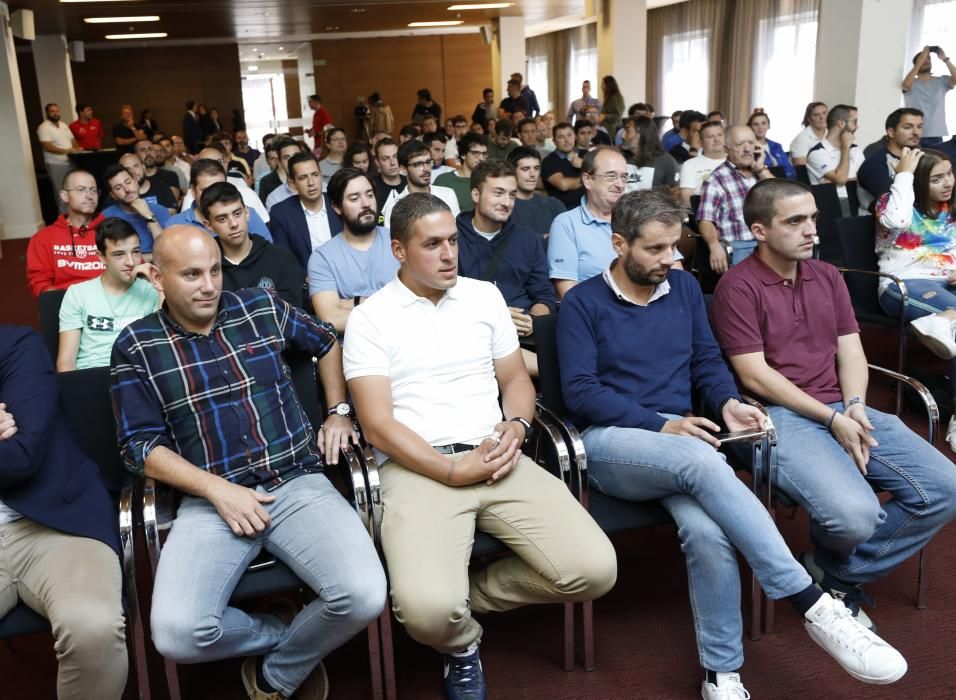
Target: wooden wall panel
[(160, 79)]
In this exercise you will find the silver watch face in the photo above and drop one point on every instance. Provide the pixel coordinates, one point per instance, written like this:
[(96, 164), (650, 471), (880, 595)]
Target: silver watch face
[(342, 409)]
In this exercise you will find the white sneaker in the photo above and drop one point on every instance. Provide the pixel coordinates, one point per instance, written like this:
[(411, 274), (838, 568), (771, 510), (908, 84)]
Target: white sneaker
[(861, 653), (951, 433), (936, 333), (729, 688)]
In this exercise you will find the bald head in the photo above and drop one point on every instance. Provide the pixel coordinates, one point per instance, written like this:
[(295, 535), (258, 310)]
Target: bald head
[(187, 268), (212, 154), (179, 243)]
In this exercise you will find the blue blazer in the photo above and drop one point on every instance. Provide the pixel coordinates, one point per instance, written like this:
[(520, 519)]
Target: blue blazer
[(44, 475), (290, 229)]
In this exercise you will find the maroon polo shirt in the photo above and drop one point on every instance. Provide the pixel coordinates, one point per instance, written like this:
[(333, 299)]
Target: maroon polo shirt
[(795, 326)]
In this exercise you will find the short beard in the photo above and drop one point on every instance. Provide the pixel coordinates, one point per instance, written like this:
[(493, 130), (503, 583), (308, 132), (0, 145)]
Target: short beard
[(358, 227), (639, 276)]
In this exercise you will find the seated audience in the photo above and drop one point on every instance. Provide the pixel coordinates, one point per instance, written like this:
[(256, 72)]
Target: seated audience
[(409, 132), (416, 163), (720, 216), (485, 109), (165, 156), (493, 248), (147, 218), (599, 135), (87, 129), (58, 525), (583, 135), (773, 154), (349, 268), (695, 171), (95, 311), (358, 155), (786, 322), (561, 169), (903, 129), (306, 220), (647, 164), (837, 157), (217, 153), (916, 242), (543, 141), (533, 209), (338, 144), (285, 148), (672, 136), (501, 144), (689, 146), (425, 106), (472, 151), (244, 150), (248, 260), (644, 443), (453, 463), (527, 133), (160, 193), (236, 166), (252, 475), (203, 173), (437, 142), (160, 179), (64, 252), (388, 178), (262, 167)]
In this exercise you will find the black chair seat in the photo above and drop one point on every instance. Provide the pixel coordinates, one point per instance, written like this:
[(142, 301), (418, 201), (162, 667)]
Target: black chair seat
[(270, 579), (22, 620), (485, 544), (617, 515)]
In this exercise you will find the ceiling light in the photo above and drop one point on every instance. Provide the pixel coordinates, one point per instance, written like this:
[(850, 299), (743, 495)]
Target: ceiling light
[(147, 35), (482, 6), (282, 48), (442, 23), (252, 68), (108, 20)]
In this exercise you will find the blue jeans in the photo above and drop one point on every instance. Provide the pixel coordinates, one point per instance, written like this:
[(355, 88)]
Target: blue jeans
[(316, 533), (742, 250), (924, 297), (858, 538), (715, 512)]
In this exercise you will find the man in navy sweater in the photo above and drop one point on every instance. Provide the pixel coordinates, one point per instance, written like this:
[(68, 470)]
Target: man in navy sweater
[(491, 247), (633, 342), (58, 526)]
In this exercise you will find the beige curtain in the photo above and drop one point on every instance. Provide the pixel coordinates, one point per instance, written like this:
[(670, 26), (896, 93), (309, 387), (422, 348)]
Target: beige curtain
[(559, 48)]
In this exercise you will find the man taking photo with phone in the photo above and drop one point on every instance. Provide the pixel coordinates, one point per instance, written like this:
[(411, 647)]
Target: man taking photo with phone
[(927, 92)]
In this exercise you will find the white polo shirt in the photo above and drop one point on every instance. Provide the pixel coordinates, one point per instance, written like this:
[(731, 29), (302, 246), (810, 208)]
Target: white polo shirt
[(438, 357), (825, 157), (59, 135)]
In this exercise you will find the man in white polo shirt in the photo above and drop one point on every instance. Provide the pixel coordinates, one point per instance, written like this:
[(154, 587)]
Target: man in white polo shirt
[(57, 142), (426, 359), (837, 157)]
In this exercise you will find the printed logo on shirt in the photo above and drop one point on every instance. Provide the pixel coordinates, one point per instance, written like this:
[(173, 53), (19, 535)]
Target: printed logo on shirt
[(266, 283), (99, 323)]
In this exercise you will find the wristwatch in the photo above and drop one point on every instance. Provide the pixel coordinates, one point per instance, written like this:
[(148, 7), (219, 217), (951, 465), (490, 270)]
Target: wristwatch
[(341, 409), (528, 428), (151, 220)]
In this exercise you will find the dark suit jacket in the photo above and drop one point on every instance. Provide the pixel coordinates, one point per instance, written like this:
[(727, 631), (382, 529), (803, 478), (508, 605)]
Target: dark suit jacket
[(873, 175), (44, 475), (289, 228), (192, 133)]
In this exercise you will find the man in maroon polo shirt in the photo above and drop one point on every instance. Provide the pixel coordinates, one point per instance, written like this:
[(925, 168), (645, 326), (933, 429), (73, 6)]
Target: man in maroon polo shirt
[(786, 322)]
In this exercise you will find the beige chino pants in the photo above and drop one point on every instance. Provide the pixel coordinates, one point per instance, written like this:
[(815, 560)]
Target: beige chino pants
[(428, 529)]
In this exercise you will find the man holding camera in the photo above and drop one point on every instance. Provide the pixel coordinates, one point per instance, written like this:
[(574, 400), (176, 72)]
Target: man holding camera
[(927, 92)]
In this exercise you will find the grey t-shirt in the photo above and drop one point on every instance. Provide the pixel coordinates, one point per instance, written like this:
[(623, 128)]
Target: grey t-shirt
[(335, 265), (929, 96)]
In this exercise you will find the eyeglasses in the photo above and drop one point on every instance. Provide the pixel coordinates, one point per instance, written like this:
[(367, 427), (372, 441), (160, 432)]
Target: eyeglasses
[(422, 164), (610, 177), (84, 190)]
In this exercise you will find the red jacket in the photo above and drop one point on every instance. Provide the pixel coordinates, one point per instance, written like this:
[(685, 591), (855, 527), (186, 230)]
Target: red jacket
[(60, 255), (89, 135)]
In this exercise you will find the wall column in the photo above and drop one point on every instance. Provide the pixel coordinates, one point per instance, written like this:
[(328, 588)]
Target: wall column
[(622, 47), (54, 74), (854, 68), (19, 202), (509, 50)]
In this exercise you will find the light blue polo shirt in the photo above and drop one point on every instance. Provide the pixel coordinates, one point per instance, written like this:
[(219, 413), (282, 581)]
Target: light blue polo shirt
[(139, 223), (579, 246), (191, 216)]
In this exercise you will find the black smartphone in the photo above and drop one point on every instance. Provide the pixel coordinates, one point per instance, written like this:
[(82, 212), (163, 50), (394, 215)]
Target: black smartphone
[(934, 49)]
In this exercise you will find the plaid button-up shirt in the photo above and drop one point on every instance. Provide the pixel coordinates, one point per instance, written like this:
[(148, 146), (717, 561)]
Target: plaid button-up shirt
[(224, 401), (722, 202)]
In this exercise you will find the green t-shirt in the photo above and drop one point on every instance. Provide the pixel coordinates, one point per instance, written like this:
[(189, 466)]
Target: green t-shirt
[(101, 316), (460, 185)]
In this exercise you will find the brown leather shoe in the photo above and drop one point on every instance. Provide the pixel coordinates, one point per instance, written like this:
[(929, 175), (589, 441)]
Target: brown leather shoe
[(248, 672)]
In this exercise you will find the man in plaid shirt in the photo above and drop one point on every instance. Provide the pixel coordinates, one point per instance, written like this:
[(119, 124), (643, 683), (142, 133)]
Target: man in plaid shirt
[(204, 402), (720, 215)]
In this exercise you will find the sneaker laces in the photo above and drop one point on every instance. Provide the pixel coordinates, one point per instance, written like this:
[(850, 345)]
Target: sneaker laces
[(462, 672), (731, 689), (841, 627), (853, 598)]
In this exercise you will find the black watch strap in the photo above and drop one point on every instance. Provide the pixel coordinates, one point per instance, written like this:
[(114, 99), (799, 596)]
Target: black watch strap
[(528, 428)]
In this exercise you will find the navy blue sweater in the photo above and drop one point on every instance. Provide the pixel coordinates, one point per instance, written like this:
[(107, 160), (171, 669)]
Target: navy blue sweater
[(622, 364)]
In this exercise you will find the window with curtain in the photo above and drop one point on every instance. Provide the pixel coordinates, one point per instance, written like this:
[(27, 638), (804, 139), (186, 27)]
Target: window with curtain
[(685, 73), (582, 61), (784, 60), (537, 78), (938, 29)]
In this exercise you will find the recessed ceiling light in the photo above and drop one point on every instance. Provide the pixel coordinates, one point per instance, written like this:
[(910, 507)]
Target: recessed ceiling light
[(331, 28), (148, 35), (482, 6), (282, 48), (252, 68), (442, 23), (108, 20), (357, 9)]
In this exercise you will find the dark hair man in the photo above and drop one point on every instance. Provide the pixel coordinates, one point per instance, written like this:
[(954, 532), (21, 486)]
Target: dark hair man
[(64, 252), (87, 129), (836, 158), (472, 150), (441, 430), (147, 218), (125, 131), (58, 525), (320, 119), (493, 248), (527, 132), (501, 144), (277, 186), (904, 128), (160, 194), (346, 270), (643, 442), (514, 102), (248, 260), (416, 162), (833, 451), (94, 312), (57, 141), (160, 181), (533, 209), (192, 128), (695, 171), (389, 179), (485, 109), (425, 105), (927, 93), (250, 469), (244, 150), (690, 123), (561, 169)]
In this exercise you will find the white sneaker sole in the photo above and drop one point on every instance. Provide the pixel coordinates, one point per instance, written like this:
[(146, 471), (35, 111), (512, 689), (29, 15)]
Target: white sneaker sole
[(887, 680), (937, 346)]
